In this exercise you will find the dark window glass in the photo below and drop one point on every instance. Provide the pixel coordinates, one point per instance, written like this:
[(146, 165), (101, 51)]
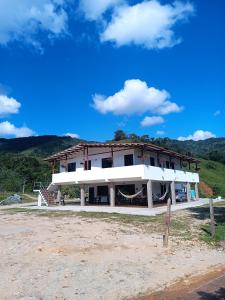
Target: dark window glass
[(167, 164), (128, 160), (72, 167), (87, 165), (102, 191), (107, 162), (172, 165), (152, 161)]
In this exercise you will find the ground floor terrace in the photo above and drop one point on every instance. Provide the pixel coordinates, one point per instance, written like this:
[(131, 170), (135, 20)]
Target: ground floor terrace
[(140, 194), (122, 210)]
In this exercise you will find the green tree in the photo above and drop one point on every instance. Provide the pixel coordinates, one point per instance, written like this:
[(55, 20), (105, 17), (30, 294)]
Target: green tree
[(119, 135)]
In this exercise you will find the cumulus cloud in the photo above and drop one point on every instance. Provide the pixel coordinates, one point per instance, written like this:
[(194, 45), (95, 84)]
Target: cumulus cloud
[(73, 135), (22, 20), (9, 129), (150, 121), (160, 132), (8, 106), (149, 24), (93, 10), (198, 135), (136, 98)]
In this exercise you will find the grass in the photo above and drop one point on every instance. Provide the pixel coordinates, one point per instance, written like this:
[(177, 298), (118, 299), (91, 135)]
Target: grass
[(213, 174), (202, 214)]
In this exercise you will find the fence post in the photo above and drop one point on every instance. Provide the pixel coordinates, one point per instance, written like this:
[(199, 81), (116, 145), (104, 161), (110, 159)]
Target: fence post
[(212, 218), (167, 222)]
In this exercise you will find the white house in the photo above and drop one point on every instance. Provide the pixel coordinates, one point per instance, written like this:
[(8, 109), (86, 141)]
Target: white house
[(114, 174)]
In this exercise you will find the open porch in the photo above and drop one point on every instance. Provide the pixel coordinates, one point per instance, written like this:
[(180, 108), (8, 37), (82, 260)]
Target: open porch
[(142, 193)]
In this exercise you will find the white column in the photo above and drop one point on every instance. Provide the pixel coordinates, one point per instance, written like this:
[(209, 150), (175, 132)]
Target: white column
[(149, 194), (188, 192), (59, 196), (82, 196), (196, 192), (39, 200), (173, 193), (112, 194)]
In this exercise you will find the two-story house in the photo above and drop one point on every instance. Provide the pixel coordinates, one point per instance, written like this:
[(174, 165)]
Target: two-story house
[(114, 174)]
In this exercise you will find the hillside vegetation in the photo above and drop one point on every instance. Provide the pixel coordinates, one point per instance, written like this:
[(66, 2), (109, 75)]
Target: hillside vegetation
[(21, 159)]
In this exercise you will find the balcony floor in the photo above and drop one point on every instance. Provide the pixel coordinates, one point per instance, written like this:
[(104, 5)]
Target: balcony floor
[(141, 211)]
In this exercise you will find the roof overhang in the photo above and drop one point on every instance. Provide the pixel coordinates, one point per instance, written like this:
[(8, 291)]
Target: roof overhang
[(69, 153)]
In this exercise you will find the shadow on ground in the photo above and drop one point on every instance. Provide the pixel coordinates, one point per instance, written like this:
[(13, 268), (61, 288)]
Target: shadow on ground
[(216, 295), (202, 213)]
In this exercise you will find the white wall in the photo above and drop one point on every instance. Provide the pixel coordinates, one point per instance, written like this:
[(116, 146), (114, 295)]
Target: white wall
[(118, 158)]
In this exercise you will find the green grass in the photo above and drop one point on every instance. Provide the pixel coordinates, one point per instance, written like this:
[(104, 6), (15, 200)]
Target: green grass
[(219, 236), (213, 174), (202, 213)]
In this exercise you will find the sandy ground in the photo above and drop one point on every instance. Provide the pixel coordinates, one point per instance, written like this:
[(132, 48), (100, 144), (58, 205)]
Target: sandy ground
[(76, 258)]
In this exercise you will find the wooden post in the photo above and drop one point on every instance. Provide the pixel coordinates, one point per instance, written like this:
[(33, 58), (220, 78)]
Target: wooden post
[(84, 157), (24, 184), (212, 219), (167, 223), (112, 157)]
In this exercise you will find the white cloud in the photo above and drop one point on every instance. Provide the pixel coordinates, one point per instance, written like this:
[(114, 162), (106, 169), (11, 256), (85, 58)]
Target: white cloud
[(149, 24), (93, 10), (217, 113), (136, 98), (8, 106), (22, 20), (73, 135), (160, 132), (198, 135), (9, 129), (150, 121)]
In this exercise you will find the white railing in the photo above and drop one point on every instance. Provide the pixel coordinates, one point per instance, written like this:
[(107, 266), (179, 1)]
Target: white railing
[(128, 173)]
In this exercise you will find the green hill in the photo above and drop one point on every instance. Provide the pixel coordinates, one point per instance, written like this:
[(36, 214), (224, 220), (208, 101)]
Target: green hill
[(40, 146), (21, 159)]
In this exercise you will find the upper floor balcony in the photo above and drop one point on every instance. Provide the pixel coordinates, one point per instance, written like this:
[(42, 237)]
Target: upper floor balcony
[(124, 173)]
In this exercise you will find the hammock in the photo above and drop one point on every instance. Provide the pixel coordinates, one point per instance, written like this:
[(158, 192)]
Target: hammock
[(131, 196), (163, 196)]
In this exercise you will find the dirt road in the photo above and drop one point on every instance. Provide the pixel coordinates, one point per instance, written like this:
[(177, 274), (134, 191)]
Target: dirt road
[(85, 258)]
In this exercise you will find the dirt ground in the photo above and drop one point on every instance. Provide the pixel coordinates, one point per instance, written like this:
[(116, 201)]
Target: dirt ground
[(86, 258)]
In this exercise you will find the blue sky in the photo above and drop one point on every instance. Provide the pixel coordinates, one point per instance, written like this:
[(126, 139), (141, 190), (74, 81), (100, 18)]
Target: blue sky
[(90, 67)]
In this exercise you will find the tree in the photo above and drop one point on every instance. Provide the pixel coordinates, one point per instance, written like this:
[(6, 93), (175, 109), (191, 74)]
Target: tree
[(119, 135)]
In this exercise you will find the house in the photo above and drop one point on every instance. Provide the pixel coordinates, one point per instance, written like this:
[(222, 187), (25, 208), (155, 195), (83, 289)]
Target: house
[(114, 174)]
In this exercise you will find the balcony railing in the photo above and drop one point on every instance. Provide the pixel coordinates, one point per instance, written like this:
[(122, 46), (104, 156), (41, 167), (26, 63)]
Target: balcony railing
[(128, 173)]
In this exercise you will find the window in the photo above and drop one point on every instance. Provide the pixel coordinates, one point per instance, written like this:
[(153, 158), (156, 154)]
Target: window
[(72, 167), (87, 165), (152, 161), (128, 160), (107, 162), (167, 164)]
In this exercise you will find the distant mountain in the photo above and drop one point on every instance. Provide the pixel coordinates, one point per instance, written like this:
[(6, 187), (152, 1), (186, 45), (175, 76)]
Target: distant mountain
[(40, 146), (21, 159), (213, 148)]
